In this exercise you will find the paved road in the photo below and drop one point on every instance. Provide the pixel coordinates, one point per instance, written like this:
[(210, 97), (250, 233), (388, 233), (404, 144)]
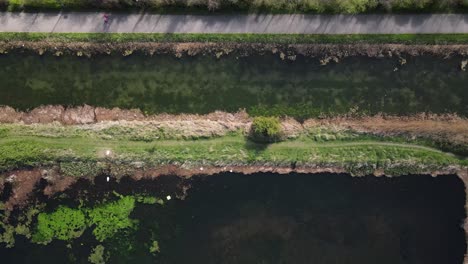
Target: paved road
[(295, 23)]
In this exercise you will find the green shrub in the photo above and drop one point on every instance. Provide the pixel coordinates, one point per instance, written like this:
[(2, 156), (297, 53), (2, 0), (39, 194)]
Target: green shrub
[(355, 6), (316, 6), (51, 4), (410, 4), (266, 129)]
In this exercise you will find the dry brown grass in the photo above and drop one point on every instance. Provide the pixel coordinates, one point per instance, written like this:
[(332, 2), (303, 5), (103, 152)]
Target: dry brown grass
[(438, 127)]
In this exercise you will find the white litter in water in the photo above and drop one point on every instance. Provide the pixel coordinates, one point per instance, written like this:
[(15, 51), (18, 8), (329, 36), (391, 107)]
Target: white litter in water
[(168, 197), (108, 179), (230, 170)]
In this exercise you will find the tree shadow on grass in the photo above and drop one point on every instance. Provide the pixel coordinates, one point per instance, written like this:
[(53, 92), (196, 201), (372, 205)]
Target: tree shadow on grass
[(256, 146)]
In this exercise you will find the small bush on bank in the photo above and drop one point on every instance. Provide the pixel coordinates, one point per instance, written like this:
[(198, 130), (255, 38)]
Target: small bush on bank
[(266, 129)]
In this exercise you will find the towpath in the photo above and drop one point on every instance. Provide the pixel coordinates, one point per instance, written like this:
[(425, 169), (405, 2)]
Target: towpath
[(253, 23)]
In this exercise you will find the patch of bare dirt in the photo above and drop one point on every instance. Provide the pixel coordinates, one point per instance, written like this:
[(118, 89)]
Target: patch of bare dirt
[(291, 128), (23, 182), (87, 114), (441, 127), (9, 115), (187, 172), (115, 114), (43, 114), (240, 116), (56, 182), (79, 115)]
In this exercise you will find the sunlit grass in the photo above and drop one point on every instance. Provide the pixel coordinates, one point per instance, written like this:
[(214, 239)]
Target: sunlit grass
[(241, 38)]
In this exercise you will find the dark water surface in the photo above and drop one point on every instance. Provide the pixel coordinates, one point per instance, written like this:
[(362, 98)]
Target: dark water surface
[(204, 84), (284, 219)]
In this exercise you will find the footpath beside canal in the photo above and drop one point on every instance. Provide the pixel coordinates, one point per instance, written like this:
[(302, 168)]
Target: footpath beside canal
[(87, 22)]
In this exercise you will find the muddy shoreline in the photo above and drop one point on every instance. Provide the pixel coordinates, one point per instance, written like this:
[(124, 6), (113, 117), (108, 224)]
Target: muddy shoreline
[(23, 182), (325, 52)]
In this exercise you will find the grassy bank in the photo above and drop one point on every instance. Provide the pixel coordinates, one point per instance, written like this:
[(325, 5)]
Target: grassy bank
[(274, 6), (432, 39), (359, 156)]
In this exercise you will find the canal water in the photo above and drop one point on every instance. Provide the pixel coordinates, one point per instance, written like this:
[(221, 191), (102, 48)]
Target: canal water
[(270, 218), (261, 84)]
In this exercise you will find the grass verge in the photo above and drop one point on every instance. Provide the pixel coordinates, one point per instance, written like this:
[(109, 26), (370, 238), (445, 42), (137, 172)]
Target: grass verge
[(235, 150), (432, 39)]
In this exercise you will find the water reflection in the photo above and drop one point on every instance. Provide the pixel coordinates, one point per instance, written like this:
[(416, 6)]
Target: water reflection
[(261, 84)]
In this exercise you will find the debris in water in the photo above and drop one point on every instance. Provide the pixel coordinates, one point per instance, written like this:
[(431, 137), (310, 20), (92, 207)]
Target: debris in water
[(463, 65), (168, 197)]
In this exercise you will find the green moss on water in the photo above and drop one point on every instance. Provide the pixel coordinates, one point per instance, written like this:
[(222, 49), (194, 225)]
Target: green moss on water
[(98, 255), (63, 224), (110, 218), (22, 227), (105, 220), (154, 247), (145, 199)]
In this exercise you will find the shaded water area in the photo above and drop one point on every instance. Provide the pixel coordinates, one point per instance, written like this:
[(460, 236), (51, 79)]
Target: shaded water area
[(269, 218), (261, 84)]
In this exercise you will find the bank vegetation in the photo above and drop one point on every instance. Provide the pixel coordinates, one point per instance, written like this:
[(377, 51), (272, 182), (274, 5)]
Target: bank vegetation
[(84, 147), (276, 6)]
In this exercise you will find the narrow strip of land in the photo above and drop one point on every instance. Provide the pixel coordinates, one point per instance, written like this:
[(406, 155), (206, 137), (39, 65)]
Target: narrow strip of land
[(226, 140), (90, 22)]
